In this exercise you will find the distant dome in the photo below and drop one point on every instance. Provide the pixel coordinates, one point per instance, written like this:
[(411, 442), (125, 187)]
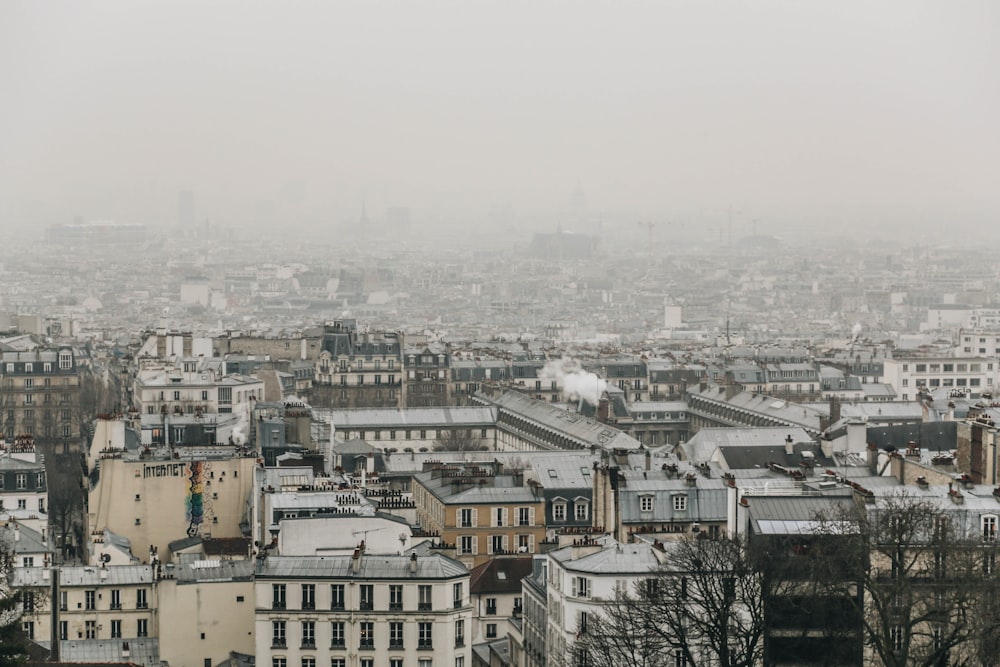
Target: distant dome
[(92, 304)]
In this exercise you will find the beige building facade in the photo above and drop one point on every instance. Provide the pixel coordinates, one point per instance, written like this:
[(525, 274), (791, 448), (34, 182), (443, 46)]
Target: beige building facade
[(154, 500)]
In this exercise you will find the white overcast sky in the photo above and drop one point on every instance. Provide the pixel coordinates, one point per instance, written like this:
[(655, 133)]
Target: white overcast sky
[(869, 111)]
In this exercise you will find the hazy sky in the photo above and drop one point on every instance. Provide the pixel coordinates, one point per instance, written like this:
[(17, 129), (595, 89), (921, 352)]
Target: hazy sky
[(865, 111)]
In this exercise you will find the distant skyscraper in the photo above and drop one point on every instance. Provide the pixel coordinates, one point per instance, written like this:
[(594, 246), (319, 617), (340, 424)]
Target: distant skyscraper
[(185, 208)]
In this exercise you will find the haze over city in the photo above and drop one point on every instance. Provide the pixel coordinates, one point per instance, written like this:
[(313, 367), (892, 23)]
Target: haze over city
[(520, 116)]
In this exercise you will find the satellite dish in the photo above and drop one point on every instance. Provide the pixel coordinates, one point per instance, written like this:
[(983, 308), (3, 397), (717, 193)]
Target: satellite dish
[(105, 558)]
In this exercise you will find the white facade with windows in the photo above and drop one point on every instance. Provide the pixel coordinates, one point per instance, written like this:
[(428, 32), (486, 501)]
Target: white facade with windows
[(973, 375), (580, 578), (362, 611), (115, 602)]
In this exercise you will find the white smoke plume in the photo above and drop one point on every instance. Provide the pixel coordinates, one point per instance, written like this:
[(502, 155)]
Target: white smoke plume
[(575, 382)]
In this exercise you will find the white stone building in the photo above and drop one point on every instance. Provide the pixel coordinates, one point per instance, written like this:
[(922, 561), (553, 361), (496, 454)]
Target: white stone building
[(362, 611)]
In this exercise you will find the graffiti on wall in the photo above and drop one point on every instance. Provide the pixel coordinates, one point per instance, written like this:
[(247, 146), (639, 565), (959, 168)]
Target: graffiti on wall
[(195, 502)]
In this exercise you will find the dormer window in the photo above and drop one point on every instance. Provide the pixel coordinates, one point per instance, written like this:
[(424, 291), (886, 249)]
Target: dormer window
[(680, 502), (646, 503)]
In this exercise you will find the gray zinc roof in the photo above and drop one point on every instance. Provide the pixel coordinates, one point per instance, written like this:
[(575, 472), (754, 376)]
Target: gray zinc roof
[(404, 418), (434, 566)]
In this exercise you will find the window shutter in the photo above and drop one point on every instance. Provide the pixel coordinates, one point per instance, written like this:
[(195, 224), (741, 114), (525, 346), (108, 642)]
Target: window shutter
[(505, 544), (475, 543), (475, 517), (503, 513), (575, 579), (531, 516), (531, 543)]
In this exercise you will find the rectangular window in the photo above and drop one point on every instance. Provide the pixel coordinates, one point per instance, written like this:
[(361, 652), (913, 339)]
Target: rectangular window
[(458, 596), (116, 629), (680, 503), (63, 630), (366, 634), (581, 587), (646, 504), (279, 662), (90, 600), (116, 599), (367, 592), (395, 634), (459, 633), (467, 517), (425, 635), (337, 634), (21, 481), (559, 512), (308, 596), (140, 599), (395, 597), (308, 634), (277, 596), (467, 545), (337, 597), (142, 628), (424, 597), (989, 527), (278, 634), (524, 516), (491, 630), (90, 629), (308, 661), (491, 606), (582, 511)]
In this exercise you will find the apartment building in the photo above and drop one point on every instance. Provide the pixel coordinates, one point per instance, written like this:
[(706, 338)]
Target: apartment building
[(357, 369), (113, 602), (362, 610), (193, 386), (428, 375), (580, 578), (480, 510), (206, 610), (154, 496), (40, 397), (967, 374), (496, 596)]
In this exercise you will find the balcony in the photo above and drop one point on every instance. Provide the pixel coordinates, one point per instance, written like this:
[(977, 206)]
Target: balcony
[(424, 606), (279, 642), (425, 645)]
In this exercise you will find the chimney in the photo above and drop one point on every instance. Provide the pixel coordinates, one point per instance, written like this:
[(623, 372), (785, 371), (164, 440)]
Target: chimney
[(413, 563), (603, 410), (789, 445), (826, 445), (356, 561), (649, 460), (872, 456)]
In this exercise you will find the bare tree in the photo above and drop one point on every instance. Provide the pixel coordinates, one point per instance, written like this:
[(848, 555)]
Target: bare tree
[(460, 440), (930, 582), (13, 639), (66, 501), (704, 606)]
